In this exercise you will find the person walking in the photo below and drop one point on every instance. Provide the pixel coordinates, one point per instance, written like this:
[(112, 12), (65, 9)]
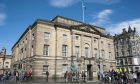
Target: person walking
[(130, 76), (66, 76), (134, 77), (47, 75), (17, 76)]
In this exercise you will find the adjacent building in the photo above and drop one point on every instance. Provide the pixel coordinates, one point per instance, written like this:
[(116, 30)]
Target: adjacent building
[(127, 50), (5, 61), (61, 45)]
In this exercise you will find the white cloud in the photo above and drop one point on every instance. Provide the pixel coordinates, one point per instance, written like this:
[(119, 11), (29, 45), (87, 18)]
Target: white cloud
[(67, 3), (3, 15), (62, 3), (117, 28), (103, 1), (2, 18), (102, 18)]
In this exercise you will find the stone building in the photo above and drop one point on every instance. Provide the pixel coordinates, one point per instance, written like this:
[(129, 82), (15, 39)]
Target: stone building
[(5, 61), (61, 45), (127, 49)]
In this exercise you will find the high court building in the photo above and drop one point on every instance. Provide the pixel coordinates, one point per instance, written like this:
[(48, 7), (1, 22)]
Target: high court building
[(61, 45)]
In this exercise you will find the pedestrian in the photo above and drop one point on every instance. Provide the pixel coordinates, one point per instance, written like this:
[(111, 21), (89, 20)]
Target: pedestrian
[(14, 73), (98, 74), (47, 75), (66, 76), (130, 76), (25, 76), (17, 76), (30, 74), (134, 77)]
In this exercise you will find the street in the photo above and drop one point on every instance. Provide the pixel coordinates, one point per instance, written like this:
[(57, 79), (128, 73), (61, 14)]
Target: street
[(42, 81), (49, 83)]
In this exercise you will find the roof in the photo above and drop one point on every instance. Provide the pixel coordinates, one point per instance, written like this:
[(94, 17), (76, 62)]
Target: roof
[(75, 21)]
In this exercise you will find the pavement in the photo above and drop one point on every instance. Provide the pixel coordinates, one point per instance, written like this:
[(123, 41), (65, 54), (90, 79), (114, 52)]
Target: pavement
[(51, 81), (43, 81)]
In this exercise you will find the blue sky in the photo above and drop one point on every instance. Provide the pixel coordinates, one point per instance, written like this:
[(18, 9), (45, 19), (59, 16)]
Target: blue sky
[(17, 15)]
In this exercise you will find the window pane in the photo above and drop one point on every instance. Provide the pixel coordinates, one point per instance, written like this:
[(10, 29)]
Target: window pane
[(65, 68), (45, 68), (46, 50), (129, 60), (64, 50), (77, 51), (121, 61), (46, 35), (64, 37), (33, 37), (95, 52), (32, 51), (125, 61), (86, 51)]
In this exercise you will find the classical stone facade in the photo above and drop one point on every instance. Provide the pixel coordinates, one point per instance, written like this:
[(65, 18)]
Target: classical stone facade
[(127, 49), (61, 45), (5, 61)]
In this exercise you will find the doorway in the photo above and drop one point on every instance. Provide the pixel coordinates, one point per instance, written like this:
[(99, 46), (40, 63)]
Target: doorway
[(89, 72)]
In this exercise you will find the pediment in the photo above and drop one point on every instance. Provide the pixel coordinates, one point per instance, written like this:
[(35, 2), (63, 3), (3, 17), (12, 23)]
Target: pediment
[(87, 28)]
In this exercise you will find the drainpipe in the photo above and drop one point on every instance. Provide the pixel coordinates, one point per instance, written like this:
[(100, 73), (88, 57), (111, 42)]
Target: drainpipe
[(55, 72)]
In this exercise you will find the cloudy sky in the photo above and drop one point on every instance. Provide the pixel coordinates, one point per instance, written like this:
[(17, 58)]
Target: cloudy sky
[(113, 15)]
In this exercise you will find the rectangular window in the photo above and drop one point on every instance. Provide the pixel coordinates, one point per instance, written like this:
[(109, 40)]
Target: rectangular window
[(102, 53), (45, 68), (86, 51), (77, 51), (95, 53), (21, 50), (32, 50), (136, 61), (33, 37), (118, 62), (102, 42), (65, 68), (121, 62), (64, 50), (64, 37), (46, 50), (46, 35), (24, 54), (26, 40), (76, 37), (129, 60), (109, 45), (126, 62), (109, 55)]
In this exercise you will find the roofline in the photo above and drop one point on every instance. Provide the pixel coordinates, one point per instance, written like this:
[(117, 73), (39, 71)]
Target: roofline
[(75, 21), (30, 27), (21, 36)]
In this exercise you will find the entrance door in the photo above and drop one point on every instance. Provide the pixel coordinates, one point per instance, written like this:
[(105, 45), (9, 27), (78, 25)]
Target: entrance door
[(89, 72)]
